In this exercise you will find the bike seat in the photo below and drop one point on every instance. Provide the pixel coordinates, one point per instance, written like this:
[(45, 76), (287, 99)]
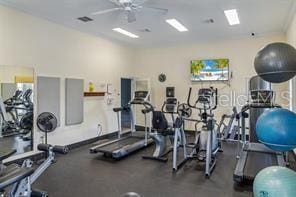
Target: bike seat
[(167, 131), (170, 131), (13, 174)]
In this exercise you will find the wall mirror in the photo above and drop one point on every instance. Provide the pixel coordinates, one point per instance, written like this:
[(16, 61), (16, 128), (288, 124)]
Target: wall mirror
[(16, 108)]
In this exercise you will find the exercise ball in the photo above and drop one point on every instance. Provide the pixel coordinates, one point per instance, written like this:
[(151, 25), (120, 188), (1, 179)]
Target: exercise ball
[(276, 129), (275, 181), (276, 63)]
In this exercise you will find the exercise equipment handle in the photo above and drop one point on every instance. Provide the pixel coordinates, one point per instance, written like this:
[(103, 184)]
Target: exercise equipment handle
[(146, 111), (123, 108), (118, 109), (60, 149), (188, 99), (162, 107), (56, 149), (216, 98), (44, 147)]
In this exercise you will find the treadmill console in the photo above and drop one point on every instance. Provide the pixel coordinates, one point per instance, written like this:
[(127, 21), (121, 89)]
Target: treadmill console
[(141, 95)]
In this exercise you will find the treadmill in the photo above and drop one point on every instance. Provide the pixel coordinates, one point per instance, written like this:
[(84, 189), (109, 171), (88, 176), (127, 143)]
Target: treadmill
[(137, 140), (255, 156)]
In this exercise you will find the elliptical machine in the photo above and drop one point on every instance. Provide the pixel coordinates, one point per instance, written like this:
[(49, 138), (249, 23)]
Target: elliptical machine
[(9, 122), (208, 143)]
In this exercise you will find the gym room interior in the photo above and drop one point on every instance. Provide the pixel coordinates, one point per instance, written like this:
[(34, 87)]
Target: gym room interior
[(148, 98)]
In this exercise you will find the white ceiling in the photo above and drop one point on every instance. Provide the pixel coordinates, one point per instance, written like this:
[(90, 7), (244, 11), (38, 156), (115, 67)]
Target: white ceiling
[(260, 16)]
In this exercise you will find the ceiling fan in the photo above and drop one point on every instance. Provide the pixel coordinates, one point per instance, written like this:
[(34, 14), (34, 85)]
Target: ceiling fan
[(130, 7)]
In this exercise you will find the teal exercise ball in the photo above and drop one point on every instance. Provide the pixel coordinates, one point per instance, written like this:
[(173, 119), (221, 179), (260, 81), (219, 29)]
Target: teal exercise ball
[(276, 128), (275, 181)]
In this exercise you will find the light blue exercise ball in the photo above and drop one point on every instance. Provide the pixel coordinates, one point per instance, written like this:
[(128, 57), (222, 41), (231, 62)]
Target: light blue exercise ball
[(276, 128), (275, 181)]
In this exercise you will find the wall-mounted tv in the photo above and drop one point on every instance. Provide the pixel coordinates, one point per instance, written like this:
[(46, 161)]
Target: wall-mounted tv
[(210, 70)]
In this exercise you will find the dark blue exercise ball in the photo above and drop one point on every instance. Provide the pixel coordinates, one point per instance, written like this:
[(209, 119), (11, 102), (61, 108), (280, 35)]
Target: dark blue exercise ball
[(276, 128), (276, 63), (275, 181)]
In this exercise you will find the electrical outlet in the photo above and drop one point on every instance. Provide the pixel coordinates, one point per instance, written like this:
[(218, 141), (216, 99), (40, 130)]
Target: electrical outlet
[(99, 129)]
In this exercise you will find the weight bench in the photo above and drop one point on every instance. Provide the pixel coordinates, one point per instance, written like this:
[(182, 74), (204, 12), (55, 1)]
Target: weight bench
[(13, 173), (17, 181)]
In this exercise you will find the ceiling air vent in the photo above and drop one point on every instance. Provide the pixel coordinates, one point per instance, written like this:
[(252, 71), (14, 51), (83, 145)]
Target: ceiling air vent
[(146, 30), (208, 21), (85, 19)]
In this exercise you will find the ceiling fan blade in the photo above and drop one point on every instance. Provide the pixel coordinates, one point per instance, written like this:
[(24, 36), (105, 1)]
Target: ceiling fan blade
[(106, 11), (160, 10), (131, 16), (139, 2), (116, 2)]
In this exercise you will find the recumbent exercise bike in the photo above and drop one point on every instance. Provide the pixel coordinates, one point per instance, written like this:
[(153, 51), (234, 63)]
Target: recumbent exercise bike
[(162, 130)]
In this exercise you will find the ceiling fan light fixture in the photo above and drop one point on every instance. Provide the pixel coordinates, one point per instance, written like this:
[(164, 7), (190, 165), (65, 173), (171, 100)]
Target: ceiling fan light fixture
[(126, 33), (177, 25)]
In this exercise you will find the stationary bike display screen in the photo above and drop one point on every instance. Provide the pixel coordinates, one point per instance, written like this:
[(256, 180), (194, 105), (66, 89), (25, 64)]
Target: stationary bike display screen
[(204, 95)]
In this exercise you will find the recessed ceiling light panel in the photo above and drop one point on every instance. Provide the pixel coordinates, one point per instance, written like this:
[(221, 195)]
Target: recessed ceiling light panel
[(232, 17), (126, 33), (177, 25)]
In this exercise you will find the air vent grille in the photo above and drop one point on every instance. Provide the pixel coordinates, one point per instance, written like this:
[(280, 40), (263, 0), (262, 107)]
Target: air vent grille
[(146, 30), (85, 19), (208, 21)]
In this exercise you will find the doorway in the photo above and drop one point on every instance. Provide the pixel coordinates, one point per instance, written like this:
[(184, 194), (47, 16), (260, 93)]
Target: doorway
[(126, 96)]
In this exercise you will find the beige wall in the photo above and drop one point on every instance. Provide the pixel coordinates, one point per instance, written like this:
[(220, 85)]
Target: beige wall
[(291, 33), (175, 61), (291, 38), (53, 50)]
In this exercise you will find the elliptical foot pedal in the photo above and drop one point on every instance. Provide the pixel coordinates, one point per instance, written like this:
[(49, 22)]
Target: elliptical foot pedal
[(191, 145)]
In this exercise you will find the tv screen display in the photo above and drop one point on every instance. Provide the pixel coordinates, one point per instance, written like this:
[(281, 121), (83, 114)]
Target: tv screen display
[(210, 70)]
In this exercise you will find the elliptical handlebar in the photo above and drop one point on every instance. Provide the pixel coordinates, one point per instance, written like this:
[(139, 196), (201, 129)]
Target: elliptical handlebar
[(214, 94), (162, 107), (188, 98), (216, 98), (148, 107), (147, 110)]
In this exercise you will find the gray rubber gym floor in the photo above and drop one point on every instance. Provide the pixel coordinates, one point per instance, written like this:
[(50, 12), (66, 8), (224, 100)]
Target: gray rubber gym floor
[(81, 174)]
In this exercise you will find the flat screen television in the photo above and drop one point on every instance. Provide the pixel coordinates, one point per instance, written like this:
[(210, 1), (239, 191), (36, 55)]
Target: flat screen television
[(209, 70)]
